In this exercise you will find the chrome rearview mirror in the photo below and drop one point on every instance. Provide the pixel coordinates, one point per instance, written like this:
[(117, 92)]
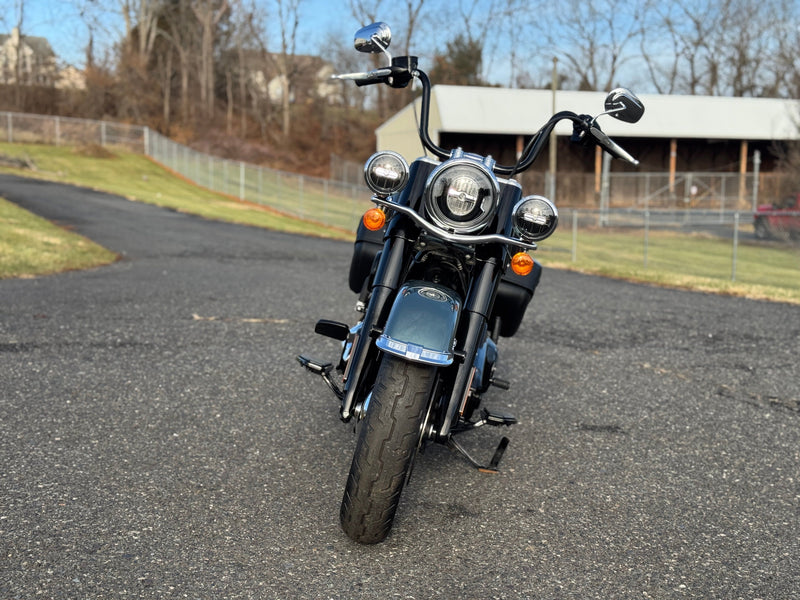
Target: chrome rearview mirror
[(373, 39), (623, 104)]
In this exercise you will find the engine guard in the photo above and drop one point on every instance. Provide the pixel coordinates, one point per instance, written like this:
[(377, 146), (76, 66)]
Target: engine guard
[(422, 324)]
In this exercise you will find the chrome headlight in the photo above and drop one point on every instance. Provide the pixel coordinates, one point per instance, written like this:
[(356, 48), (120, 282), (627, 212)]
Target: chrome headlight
[(461, 195), (535, 218), (386, 173)]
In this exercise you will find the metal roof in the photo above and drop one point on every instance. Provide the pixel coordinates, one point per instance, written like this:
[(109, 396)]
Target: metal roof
[(514, 111)]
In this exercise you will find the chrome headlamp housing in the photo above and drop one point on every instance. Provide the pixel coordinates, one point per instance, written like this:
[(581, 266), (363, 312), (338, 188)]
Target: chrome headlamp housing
[(535, 218), (386, 172), (461, 195)]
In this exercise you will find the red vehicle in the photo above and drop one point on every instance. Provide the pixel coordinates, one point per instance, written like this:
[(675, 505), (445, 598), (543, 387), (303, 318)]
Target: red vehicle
[(779, 219)]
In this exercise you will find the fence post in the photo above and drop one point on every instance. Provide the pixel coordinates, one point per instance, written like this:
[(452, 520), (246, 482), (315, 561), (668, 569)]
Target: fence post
[(58, 131), (10, 129), (735, 244), (300, 191), (147, 141), (241, 180), (646, 235), (574, 235), (102, 133), (605, 186)]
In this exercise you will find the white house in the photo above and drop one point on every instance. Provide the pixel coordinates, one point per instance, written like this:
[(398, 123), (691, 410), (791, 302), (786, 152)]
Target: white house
[(26, 59)]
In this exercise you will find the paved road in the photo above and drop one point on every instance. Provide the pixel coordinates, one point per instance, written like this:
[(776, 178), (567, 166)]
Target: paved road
[(157, 439)]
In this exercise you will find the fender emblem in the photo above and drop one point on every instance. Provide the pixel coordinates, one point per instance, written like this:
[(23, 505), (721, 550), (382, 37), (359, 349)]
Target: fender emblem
[(433, 294)]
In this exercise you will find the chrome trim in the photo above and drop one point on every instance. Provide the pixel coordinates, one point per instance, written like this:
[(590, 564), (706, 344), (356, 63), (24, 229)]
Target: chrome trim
[(347, 345), (386, 190), (456, 238), (459, 158), (511, 182), (515, 220), (414, 352)]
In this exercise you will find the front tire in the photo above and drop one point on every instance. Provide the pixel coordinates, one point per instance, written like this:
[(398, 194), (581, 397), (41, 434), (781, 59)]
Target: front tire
[(762, 230), (385, 449)]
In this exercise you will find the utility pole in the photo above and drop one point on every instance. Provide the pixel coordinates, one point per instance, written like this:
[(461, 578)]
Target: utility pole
[(551, 193)]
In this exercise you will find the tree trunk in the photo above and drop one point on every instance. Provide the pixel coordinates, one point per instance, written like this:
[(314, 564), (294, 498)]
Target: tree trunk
[(209, 19)]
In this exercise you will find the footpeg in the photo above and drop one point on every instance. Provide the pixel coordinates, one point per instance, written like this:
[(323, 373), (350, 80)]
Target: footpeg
[(498, 419), (493, 464), (500, 383), (324, 371)]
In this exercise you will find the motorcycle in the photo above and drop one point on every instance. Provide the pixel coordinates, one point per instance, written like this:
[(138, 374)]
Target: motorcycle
[(442, 270)]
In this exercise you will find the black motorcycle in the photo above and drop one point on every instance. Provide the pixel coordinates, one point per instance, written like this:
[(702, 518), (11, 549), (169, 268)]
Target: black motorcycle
[(442, 270)]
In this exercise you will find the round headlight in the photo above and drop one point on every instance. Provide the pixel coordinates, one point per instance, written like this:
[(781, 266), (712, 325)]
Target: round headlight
[(461, 195), (535, 218), (386, 172)]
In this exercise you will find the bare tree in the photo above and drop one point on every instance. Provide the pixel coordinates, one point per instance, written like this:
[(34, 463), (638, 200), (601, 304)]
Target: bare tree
[(786, 70), (412, 16), (280, 66), (164, 64), (208, 13), (244, 30), (181, 31), (721, 47), (141, 26), (593, 39), (16, 40), (367, 12), (288, 19)]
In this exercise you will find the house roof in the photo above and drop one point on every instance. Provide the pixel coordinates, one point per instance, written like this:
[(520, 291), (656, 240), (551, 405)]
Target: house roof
[(514, 111), (39, 45), (267, 62)]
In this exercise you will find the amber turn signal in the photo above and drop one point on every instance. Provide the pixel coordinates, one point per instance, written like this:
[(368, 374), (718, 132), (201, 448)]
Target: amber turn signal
[(374, 219), (522, 263)]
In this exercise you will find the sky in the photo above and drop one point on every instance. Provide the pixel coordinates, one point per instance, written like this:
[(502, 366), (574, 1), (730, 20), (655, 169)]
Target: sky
[(64, 27)]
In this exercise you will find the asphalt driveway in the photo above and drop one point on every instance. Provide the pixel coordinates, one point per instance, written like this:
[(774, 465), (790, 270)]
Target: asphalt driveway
[(158, 439)]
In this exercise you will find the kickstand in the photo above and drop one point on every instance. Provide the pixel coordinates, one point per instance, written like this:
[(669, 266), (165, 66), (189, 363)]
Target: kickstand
[(492, 466)]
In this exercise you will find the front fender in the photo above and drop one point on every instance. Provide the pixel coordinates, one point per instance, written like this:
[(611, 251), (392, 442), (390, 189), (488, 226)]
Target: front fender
[(422, 324)]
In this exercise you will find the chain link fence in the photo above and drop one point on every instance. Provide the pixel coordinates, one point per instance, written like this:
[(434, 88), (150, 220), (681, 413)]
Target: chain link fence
[(43, 129), (329, 202), (643, 206), (689, 201), (694, 245)]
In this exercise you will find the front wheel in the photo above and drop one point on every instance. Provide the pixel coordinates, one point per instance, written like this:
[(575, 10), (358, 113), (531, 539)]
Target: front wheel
[(385, 449)]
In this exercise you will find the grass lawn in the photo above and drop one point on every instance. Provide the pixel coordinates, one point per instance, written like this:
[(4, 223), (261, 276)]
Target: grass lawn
[(30, 246), (691, 261), (136, 177)]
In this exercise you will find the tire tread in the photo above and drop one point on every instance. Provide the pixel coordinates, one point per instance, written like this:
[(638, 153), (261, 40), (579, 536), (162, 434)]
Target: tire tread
[(385, 449)]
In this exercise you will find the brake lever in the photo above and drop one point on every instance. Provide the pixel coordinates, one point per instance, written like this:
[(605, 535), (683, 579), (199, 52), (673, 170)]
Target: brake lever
[(610, 145), (585, 124)]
